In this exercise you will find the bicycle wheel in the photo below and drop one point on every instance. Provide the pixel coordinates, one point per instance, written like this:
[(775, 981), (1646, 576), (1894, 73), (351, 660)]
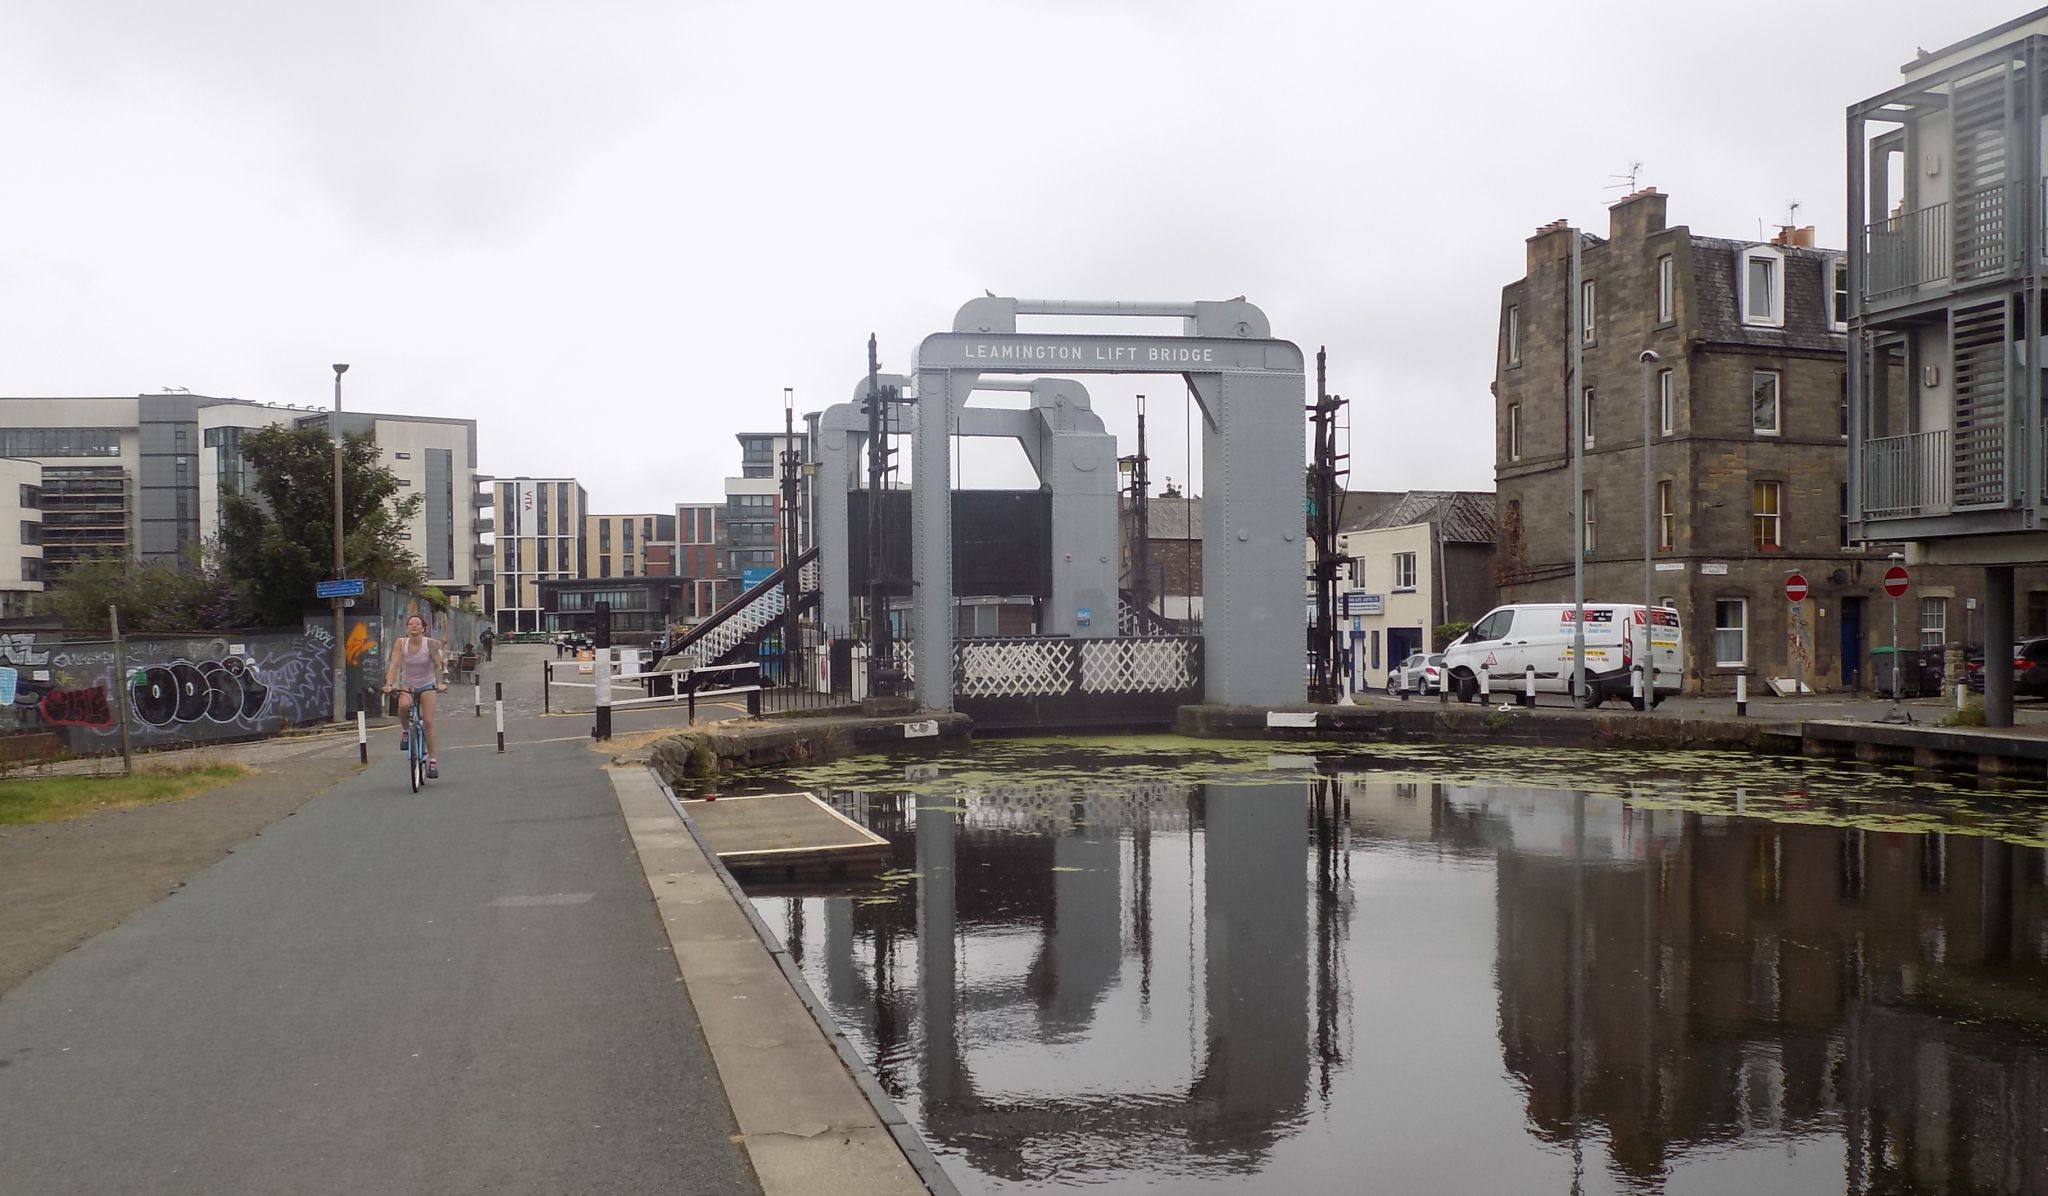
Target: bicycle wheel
[(415, 760)]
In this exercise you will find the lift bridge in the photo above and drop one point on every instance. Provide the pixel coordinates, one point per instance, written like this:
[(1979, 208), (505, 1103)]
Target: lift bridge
[(1094, 655)]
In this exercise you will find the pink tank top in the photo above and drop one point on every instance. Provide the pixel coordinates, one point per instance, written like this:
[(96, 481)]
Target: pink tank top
[(416, 669)]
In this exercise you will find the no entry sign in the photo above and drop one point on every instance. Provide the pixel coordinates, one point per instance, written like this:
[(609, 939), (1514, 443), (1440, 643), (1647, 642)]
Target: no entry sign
[(1895, 579), (1795, 588)]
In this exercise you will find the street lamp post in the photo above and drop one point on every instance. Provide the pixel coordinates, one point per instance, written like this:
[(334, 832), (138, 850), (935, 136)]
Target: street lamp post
[(1648, 658), (1575, 424), (340, 617)]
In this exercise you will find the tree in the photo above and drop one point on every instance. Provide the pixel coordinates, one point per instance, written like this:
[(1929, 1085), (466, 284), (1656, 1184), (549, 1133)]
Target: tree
[(278, 541), (189, 593)]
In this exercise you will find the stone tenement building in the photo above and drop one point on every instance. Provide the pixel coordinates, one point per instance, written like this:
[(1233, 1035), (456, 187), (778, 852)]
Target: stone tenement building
[(1749, 449)]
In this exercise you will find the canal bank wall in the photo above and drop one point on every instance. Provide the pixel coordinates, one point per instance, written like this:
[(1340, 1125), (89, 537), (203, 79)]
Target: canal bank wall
[(1995, 755), (1434, 723), (701, 752)]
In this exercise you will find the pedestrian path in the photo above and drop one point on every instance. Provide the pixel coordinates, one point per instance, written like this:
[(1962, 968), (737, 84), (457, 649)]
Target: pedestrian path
[(466, 990)]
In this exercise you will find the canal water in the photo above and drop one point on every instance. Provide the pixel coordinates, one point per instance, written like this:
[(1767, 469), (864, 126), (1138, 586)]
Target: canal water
[(1187, 966)]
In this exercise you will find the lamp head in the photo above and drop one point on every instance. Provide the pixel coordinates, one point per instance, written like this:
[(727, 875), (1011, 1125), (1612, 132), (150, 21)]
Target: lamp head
[(1649, 355), (340, 368)]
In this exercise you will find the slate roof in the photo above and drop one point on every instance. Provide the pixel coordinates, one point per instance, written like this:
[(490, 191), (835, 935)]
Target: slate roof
[(1718, 302), (1170, 518), (1362, 506), (1461, 516)]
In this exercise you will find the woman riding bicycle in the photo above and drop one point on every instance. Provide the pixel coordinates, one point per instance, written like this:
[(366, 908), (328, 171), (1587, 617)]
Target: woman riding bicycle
[(416, 667)]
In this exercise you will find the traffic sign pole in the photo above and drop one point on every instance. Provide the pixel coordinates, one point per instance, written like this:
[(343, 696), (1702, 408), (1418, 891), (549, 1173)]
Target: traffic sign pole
[(1795, 592), (1895, 581)]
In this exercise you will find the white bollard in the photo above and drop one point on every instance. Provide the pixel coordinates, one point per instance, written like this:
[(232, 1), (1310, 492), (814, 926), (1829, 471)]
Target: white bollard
[(1529, 686), (1485, 689), (1635, 685), (1960, 691), (477, 700), (363, 734), (500, 704), (1741, 694)]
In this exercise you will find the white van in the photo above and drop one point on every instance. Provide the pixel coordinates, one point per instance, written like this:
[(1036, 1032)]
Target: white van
[(1510, 640)]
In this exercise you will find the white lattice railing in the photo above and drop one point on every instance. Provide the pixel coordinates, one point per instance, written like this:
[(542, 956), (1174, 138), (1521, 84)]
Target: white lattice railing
[(1013, 668), (1147, 665), (1053, 666)]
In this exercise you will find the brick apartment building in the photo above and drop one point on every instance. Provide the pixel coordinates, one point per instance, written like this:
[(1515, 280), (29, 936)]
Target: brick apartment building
[(1749, 449)]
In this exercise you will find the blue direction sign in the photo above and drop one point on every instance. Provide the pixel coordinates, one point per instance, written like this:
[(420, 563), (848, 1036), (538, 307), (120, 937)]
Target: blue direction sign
[(347, 587)]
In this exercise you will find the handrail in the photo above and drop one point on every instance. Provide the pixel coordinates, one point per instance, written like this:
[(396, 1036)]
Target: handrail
[(767, 586)]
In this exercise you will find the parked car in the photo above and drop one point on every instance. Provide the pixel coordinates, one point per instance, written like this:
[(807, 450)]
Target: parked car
[(2029, 669), (1421, 673)]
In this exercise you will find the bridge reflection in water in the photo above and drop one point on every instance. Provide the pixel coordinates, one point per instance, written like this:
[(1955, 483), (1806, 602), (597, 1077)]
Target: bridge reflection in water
[(1351, 978)]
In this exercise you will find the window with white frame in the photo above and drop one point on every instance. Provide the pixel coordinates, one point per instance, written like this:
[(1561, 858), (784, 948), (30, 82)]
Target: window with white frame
[(1762, 282), (1588, 308), (1667, 518), (1731, 631), (1404, 571), (1838, 294), (1513, 334), (1667, 292), (1765, 415), (1667, 403), (1587, 409), (1767, 516), (1933, 622), (1590, 539), (1514, 431)]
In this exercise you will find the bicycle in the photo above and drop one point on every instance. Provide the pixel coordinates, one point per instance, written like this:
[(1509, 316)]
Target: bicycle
[(416, 739)]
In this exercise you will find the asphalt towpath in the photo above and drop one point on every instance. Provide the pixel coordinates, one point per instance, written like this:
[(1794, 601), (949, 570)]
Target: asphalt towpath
[(467, 990)]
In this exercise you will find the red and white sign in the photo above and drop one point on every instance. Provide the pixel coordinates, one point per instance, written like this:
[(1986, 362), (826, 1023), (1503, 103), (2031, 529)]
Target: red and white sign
[(1795, 588), (1895, 579)]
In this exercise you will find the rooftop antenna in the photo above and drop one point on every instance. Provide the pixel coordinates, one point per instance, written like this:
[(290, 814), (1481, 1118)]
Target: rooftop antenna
[(1792, 213), (1625, 180)]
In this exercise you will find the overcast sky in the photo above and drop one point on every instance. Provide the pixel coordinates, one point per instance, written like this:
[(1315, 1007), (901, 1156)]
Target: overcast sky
[(612, 233)]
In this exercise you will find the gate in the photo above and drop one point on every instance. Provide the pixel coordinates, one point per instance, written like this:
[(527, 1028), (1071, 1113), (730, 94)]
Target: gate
[(1051, 682)]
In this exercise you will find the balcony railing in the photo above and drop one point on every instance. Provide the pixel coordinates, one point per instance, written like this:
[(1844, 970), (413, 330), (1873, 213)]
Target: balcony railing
[(1907, 251), (1906, 476)]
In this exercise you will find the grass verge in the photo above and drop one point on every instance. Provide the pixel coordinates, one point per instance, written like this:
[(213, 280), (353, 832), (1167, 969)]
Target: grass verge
[(53, 799)]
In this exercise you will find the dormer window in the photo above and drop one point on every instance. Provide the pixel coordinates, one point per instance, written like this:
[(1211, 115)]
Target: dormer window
[(1838, 294), (1763, 287)]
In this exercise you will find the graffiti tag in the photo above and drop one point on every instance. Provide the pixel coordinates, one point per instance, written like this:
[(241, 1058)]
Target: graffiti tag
[(21, 649), (184, 691), (77, 707)]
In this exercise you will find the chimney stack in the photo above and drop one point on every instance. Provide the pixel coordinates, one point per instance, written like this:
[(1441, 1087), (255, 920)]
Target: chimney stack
[(1794, 237), (1549, 244), (1636, 215)]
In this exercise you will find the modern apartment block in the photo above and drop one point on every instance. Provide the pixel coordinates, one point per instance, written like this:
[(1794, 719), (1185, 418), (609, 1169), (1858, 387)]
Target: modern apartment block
[(630, 545), (431, 456), (1944, 287), (1749, 445), (21, 535), (121, 476), (700, 530), (753, 506), (540, 524)]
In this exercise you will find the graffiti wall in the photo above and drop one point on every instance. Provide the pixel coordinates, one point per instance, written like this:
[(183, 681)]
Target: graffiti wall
[(237, 685)]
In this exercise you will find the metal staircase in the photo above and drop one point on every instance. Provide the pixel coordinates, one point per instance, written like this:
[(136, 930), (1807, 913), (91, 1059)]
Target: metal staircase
[(747, 619)]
